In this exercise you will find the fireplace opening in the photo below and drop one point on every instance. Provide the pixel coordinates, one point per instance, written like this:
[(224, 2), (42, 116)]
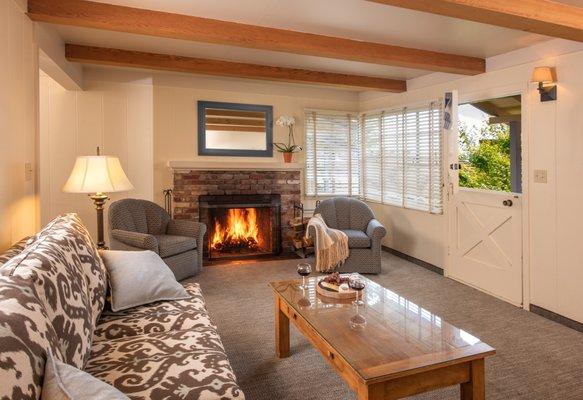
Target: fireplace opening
[(241, 226)]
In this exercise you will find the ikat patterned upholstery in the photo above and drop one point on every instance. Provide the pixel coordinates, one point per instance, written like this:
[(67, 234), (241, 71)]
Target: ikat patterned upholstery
[(70, 281), (13, 251), (165, 350), (52, 298), (26, 334)]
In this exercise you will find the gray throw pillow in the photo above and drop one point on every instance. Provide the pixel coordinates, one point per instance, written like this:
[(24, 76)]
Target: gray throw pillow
[(139, 277), (65, 382)]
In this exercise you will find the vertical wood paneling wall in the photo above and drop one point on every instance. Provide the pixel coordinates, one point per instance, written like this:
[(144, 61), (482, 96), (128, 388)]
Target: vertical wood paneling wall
[(18, 122), (117, 118)]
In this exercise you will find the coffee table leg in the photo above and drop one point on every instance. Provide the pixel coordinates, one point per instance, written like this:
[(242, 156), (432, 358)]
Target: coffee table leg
[(475, 389), (281, 331)]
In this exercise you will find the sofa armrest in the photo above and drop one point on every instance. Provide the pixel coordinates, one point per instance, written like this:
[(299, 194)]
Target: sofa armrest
[(136, 239), (184, 227), (375, 231)]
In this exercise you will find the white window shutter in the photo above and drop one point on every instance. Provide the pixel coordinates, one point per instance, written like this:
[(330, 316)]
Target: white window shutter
[(372, 171), (329, 157), (394, 157)]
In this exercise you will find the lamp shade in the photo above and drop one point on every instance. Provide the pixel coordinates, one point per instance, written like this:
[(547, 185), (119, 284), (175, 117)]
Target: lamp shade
[(542, 75), (97, 174)]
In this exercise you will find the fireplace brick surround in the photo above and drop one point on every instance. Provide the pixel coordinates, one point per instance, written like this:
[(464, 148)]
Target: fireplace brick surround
[(190, 184)]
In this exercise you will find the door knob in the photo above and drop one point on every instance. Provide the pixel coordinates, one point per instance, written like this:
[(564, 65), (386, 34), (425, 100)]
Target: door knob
[(507, 203)]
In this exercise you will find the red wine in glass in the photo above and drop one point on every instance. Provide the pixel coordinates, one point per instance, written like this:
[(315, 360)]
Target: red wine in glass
[(304, 269), (356, 282)]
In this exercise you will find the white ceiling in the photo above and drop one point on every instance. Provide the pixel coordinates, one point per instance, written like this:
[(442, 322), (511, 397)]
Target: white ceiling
[(354, 19)]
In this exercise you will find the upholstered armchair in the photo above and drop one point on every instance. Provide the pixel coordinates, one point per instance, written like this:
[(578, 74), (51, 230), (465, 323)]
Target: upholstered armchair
[(356, 219), (142, 225)]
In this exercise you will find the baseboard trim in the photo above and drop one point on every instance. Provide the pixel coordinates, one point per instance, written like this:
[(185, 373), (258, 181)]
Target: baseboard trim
[(568, 322), (421, 263)]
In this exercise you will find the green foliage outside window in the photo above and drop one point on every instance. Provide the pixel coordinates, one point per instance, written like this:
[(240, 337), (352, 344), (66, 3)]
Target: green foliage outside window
[(485, 157)]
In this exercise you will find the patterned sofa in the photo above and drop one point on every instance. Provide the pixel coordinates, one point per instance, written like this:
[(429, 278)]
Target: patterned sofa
[(53, 298)]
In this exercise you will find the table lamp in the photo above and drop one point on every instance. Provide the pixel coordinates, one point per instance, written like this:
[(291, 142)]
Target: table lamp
[(97, 175)]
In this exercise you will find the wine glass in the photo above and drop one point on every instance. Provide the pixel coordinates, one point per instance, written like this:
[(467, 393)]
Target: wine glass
[(304, 269), (356, 282)]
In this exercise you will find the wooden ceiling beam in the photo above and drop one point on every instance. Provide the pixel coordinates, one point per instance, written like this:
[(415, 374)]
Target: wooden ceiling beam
[(111, 17), (544, 17), (137, 59)]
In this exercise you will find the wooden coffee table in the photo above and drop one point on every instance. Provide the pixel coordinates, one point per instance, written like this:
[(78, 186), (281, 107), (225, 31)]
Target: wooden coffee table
[(402, 350)]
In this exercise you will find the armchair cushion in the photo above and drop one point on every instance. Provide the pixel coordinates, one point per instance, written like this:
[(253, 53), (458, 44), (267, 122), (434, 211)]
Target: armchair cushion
[(375, 230), (136, 239), (170, 245), (357, 239)]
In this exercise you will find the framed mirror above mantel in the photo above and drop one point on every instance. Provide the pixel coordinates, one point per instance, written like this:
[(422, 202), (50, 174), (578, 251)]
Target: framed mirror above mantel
[(234, 129)]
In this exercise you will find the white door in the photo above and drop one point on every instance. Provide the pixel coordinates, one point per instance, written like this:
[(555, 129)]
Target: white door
[(485, 244)]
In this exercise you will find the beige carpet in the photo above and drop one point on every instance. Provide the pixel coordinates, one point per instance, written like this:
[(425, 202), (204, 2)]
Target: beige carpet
[(537, 358)]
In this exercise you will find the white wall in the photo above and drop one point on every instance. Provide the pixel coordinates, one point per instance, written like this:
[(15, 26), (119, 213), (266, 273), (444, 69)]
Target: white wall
[(116, 117), (554, 142), (175, 115), (127, 111), (147, 120), (18, 122)]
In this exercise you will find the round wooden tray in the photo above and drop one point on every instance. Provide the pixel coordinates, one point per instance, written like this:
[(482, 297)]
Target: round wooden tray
[(324, 291)]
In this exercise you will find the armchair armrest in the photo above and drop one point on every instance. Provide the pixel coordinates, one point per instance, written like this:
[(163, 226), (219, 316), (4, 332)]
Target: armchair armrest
[(375, 230), (184, 227), (136, 239)]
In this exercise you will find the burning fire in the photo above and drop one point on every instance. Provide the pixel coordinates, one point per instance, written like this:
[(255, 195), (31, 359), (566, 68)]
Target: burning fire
[(241, 232)]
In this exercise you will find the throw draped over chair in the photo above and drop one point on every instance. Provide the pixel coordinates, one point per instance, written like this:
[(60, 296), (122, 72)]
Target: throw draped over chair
[(357, 221), (142, 225)]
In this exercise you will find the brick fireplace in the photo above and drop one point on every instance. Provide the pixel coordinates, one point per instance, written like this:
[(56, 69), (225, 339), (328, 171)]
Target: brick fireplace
[(191, 184)]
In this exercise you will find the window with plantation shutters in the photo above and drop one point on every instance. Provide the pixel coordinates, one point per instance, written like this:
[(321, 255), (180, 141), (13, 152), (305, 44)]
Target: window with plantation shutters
[(371, 125), (416, 159), (391, 157), (392, 147), (402, 158), (332, 154)]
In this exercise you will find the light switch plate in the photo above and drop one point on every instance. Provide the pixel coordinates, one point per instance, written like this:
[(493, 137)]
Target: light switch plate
[(540, 175), (28, 171)]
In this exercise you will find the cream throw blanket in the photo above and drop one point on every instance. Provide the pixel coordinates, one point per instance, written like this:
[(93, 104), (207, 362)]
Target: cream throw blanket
[(331, 245)]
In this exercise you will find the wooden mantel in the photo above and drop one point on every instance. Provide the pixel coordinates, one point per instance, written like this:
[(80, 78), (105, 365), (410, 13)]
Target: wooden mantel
[(233, 166)]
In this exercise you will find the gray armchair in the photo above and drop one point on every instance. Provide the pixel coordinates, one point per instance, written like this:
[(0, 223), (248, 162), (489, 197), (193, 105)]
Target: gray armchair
[(142, 225), (356, 219)]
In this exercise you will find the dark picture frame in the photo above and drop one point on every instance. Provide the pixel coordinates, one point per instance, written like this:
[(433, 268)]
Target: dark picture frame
[(204, 151)]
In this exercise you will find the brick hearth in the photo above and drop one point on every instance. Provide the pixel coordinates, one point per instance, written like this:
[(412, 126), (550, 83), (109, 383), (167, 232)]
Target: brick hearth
[(189, 184)]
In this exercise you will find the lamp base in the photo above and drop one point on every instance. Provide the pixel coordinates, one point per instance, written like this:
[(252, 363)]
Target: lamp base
[(99, 200)]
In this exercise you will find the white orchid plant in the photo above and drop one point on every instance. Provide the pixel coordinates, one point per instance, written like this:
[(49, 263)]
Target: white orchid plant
[(290, 147)]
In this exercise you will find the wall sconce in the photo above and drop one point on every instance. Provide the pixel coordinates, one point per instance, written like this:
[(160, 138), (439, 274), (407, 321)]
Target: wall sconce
[(542, 75)]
